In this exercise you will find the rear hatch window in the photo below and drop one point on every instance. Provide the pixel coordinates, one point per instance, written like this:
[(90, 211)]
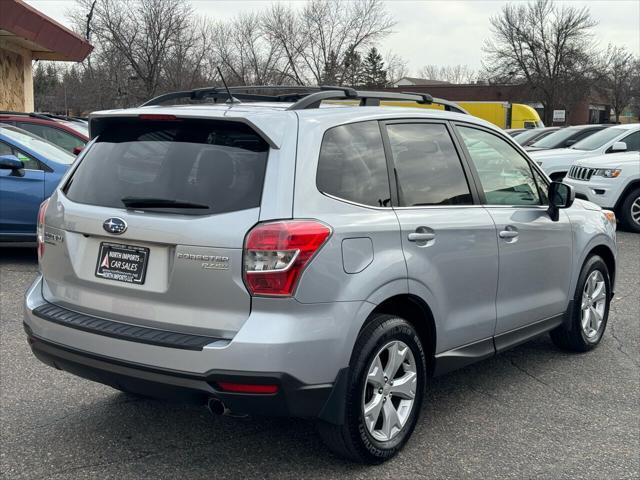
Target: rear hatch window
[(185, 166)]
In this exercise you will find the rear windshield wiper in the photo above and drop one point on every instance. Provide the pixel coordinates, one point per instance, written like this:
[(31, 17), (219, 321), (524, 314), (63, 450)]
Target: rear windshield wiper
[(149, 202)]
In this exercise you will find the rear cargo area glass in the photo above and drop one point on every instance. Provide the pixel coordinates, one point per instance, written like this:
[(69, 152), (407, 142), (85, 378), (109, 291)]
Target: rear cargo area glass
[(206, 166)]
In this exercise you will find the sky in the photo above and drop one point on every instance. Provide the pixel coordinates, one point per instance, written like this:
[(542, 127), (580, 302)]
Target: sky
[(440, 32)]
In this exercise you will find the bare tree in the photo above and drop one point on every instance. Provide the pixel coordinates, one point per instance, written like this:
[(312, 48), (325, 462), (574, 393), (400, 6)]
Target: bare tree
[(448, 73), (397, 67), (186, 65), (549, 48), (326, 33), (281, 27), (144, 32), (245, 53), (618, 72)]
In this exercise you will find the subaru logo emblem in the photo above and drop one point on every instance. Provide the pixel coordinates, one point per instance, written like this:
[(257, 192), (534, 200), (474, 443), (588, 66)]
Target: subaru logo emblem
[(115, 225)]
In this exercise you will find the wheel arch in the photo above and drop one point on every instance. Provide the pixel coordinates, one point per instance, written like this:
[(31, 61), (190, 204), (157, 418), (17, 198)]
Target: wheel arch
[(417, 312), (609, 258), (631, 186)]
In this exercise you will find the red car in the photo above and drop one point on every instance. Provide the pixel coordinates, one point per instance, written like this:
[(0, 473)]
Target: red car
[(66, 132)]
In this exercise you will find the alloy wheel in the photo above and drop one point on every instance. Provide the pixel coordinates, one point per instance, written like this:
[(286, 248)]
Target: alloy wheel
[(594, 302), (635, 211), (389, 391)]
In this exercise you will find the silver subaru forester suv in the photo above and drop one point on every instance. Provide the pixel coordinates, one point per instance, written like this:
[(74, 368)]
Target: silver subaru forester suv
[(309, 254)]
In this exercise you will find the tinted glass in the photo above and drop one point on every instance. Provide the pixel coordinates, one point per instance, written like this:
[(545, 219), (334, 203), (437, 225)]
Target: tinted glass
[(54, 135), (632, 141), (428, 168), (209, 167), (505, 175), (555, 139), (531, 136), (352, 165), (39, 145), (598, 139)]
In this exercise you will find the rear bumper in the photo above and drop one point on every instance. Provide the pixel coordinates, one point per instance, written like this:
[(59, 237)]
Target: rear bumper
[(302, 348), (292, 398)]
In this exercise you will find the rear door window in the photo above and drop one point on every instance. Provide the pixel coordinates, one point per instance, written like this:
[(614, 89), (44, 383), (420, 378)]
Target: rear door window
[(427, 167), (187, 166), (352, 165)]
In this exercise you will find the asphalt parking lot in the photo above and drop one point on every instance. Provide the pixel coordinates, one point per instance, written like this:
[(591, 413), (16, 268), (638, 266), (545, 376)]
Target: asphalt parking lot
[(534, 412)]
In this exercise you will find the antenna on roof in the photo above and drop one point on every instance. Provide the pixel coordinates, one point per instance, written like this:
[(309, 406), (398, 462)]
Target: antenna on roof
[(232, 99)]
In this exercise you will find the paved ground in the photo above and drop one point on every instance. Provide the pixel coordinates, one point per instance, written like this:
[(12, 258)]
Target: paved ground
[(534, 412)]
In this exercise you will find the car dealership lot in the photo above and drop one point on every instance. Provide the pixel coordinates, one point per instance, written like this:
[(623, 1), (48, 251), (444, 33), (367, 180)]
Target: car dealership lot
[(532, 412)]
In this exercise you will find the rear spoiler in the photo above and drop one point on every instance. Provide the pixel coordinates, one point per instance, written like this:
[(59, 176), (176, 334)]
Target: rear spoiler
[(98, 122)]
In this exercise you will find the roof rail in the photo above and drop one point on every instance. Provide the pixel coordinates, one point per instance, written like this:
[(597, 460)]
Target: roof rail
[(302, 97), (41, 116), (217, 93), (372, 99)]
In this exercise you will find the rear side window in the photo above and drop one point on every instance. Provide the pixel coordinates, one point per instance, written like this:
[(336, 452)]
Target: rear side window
[(427, 166), (352, 165), (54, 135), (189, 167)]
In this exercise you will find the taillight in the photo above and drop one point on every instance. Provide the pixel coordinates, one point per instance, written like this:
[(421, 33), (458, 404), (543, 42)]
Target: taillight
[(276, 254), (40, 229)]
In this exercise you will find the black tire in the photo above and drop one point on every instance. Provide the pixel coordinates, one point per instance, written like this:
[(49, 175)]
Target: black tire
[(575, 339), (625, 211), (352, 440)]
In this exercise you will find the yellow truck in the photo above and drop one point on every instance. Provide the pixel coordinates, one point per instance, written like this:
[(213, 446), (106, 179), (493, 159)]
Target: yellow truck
[(503, 114)]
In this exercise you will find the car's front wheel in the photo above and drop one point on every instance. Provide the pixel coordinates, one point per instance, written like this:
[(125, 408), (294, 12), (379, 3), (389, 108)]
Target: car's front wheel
[(630, 211), (384, 393), (590, 308)]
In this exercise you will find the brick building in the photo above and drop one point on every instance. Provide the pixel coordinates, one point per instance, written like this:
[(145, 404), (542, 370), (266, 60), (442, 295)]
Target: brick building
[(593, 109), (27, 35)]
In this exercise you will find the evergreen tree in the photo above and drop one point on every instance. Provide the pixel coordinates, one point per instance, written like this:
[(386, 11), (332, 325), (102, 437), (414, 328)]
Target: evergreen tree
[(374, 73), (330, 73), (352, 68)]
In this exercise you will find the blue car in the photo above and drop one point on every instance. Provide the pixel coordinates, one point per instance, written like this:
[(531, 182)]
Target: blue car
[(30, 169)]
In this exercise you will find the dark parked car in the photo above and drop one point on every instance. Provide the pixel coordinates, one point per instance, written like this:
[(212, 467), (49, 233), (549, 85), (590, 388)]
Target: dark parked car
[(65, 132), (532, 135), (565, 137), (514, 132)]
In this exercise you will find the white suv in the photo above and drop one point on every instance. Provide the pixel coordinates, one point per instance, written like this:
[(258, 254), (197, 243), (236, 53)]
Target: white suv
[(611, 181), (621, 138)]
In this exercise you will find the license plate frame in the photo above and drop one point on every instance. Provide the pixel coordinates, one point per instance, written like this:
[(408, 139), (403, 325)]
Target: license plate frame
[(116, 262)]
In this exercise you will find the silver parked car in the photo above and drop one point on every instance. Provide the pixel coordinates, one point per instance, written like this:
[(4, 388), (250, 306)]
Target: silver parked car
[(275, 257)]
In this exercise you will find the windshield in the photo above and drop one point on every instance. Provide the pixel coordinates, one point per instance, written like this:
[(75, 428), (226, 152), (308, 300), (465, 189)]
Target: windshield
[(598, 139), (38, 145), (556, 138), (192, 167)]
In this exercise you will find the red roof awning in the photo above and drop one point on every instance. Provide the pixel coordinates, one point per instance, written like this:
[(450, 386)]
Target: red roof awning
[(43, 36)]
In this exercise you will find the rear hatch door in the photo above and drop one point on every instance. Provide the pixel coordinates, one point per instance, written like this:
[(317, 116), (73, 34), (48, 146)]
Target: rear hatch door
[(149, 228)]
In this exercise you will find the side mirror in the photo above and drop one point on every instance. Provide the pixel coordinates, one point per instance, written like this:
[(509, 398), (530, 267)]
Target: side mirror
[(618, 147), (77, 150), (11, 162), (560, 195)]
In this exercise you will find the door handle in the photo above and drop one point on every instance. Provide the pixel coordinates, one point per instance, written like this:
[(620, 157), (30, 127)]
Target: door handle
[(509, 232), (421, 237)]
